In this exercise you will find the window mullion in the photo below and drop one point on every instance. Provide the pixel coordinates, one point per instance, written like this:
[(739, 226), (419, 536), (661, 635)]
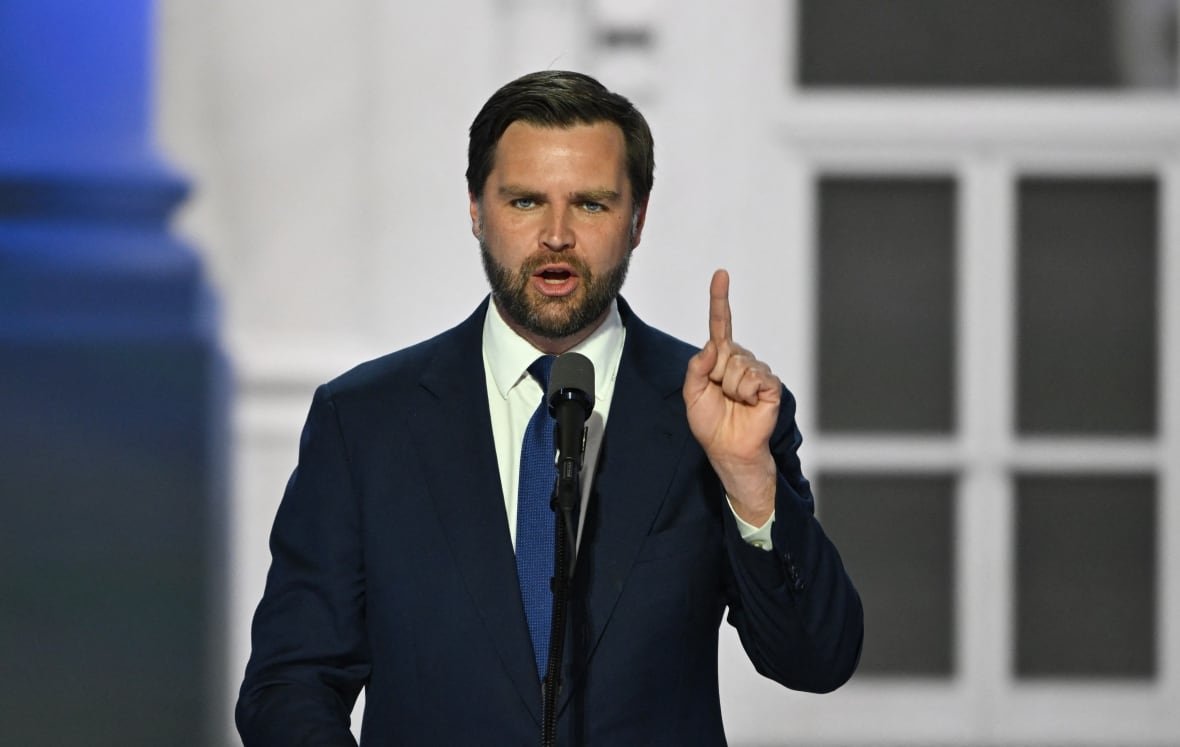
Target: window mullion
[(985, 394)]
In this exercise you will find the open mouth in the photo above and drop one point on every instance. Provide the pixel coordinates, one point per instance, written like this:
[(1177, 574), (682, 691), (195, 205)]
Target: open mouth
[(555, 280), (555, 276)]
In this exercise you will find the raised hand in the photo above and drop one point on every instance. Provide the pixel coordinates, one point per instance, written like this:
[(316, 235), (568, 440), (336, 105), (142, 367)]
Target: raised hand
[(732, 402)]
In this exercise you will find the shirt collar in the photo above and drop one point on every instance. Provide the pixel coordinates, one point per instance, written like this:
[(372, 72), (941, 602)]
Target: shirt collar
[(508, 355)]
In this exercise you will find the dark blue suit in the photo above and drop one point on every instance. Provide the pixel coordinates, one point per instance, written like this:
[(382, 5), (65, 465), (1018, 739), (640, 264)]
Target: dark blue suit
[(393, 570)]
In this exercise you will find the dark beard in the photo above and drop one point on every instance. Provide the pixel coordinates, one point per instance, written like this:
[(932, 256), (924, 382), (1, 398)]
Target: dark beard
[(552, 318)]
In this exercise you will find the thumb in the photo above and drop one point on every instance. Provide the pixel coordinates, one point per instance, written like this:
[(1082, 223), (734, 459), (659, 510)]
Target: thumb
[(696, 378)]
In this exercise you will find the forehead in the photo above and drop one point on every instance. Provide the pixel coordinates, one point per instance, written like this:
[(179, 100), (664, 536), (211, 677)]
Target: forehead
[(583, 151)]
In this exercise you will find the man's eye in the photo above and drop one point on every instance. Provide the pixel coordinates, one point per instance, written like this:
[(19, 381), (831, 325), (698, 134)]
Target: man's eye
[(524, 203), (593, 207)]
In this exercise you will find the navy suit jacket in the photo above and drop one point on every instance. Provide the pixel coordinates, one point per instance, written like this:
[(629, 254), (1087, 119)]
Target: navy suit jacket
[(393, 570)]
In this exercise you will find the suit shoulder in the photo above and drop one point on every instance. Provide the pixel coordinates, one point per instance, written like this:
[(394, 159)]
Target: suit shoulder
[(405, 367), (654, 348), (666, 344)]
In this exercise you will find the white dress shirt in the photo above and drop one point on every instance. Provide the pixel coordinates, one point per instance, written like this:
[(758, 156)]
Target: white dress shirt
[(513, 396)]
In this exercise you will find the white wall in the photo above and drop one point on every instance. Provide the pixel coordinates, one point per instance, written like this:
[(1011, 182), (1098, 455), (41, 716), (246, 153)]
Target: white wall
[(327, 143)]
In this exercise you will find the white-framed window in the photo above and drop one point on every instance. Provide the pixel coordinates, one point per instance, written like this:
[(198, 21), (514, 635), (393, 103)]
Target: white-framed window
[(988, 213)]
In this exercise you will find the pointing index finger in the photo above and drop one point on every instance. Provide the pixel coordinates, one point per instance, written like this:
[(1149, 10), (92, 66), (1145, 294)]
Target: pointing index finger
[(720, 319)]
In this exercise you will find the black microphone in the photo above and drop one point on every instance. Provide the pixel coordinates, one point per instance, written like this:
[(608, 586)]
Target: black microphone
[(571, 400)]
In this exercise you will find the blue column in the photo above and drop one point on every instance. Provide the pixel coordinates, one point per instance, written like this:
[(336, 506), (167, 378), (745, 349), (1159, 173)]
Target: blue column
[(112, 399)]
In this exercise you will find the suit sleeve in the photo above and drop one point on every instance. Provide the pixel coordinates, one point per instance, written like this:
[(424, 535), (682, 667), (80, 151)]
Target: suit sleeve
[(796, 611), (309, 655)]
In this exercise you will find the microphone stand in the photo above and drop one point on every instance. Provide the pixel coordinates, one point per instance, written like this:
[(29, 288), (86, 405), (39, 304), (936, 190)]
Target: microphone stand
[(567, 493), (571, 400)]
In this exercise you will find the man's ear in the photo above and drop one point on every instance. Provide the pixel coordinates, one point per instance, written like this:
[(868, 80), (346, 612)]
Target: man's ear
[(476, 217), (637, 220)]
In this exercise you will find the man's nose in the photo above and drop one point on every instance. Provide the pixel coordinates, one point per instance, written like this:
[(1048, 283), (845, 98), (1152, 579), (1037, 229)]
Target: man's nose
[(557, 233)]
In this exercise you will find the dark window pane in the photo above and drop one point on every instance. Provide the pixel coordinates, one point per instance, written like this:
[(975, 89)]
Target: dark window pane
[(1085, 576), (886, 304), (1086, 361), (896, 536), (1000, 43)]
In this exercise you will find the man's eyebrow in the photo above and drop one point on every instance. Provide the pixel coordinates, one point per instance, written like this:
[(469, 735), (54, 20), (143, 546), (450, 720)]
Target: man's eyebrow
[(596, 195), (514, 190)]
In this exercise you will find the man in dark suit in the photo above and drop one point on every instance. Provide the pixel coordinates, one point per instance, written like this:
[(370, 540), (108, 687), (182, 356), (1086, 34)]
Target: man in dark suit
[(393, 550)]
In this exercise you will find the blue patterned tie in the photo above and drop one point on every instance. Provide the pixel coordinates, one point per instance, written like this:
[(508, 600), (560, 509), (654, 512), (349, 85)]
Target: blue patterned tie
[(534, 518)]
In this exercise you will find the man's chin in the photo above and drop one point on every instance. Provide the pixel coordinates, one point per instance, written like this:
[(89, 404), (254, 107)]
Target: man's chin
[(554, 323), (553, 317)]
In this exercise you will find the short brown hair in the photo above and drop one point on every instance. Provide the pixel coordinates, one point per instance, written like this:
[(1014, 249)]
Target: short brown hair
[(559, 98)]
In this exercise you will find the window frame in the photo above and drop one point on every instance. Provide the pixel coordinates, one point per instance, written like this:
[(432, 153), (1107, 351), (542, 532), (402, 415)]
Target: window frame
[(987, 140)]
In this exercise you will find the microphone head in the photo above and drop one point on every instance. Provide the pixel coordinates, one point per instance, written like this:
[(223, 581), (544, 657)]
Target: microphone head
[(572, 378)]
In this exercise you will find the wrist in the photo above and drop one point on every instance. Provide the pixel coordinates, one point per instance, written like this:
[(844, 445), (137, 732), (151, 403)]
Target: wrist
[(751, 488)]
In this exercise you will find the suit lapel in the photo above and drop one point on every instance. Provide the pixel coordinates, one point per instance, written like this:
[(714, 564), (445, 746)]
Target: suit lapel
[(455, 431), (645, 436)]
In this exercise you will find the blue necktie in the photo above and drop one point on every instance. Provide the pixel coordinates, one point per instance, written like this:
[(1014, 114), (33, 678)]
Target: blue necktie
[(534, 518)]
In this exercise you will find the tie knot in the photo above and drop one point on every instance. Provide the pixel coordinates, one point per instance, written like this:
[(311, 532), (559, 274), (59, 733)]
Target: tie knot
[(540, 370)]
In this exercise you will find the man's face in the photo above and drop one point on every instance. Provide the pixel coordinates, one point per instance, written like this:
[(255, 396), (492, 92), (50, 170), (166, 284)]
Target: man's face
[(556, 225)]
